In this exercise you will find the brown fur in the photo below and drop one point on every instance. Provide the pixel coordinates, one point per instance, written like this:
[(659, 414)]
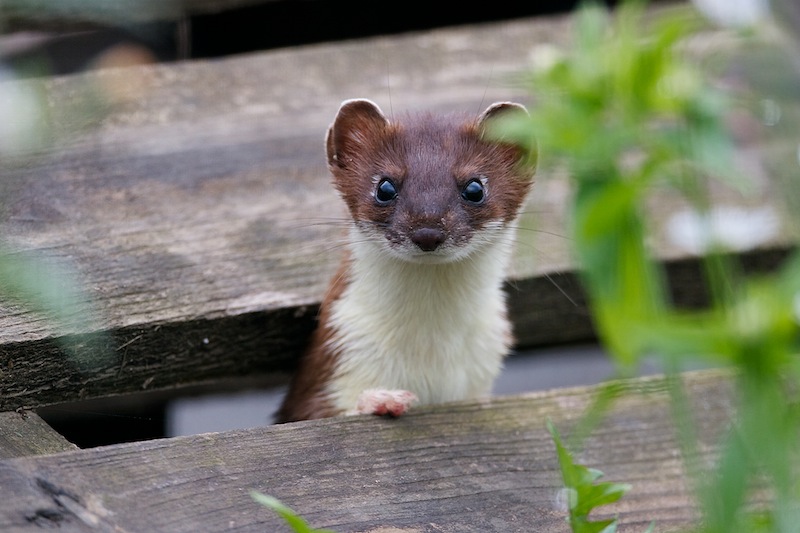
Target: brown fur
[(306, 398), (417, 154)]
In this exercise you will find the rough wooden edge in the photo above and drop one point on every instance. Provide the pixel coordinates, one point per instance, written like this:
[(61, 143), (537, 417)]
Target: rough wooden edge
[(24, 433), (155, 357)]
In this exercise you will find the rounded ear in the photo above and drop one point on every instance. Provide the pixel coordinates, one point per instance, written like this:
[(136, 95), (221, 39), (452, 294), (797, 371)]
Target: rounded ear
[(526, 152), (357, 121), (498, 109)]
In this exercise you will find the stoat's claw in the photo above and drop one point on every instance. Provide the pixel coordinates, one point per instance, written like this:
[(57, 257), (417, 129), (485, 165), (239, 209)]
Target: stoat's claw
[(382, 402)]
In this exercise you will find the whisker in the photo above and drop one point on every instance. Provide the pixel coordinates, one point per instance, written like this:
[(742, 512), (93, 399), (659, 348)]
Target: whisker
[(330, 245), (560, 289), (545, 232), (548, 276), (538, 208), (486, 88), (389, 93), (311, 222)]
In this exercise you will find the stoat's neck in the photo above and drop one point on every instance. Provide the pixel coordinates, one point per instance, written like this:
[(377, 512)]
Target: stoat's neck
[(391, 284), (439, 330)]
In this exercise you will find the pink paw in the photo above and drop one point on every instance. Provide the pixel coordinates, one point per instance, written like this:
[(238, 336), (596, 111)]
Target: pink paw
[(385, 402)]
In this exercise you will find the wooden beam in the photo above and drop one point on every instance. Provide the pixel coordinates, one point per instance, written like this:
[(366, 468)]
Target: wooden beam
[(467, 467), (25, 433)]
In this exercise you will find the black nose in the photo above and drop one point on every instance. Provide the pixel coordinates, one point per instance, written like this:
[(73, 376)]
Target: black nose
[(428, 239)]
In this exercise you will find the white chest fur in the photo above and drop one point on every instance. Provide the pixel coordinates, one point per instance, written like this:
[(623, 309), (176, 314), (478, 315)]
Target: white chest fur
[(437, 330)]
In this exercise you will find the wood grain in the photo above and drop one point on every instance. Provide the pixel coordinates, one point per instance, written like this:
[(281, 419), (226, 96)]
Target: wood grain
[(192, 203), (25, 433), (467, 467)]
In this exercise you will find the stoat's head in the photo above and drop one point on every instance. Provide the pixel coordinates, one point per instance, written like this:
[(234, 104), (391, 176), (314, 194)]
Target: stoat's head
[(428, 188)]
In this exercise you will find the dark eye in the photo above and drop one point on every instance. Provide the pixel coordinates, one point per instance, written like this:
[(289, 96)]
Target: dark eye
[(386, 191), (474, 192)]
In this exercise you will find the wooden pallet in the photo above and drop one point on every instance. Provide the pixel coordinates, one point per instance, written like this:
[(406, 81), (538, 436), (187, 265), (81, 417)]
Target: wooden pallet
[(193, 203)]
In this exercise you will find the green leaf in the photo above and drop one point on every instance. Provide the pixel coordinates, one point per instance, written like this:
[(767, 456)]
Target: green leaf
[(43, 286), (584, 492), (291, 518), (48, 287)]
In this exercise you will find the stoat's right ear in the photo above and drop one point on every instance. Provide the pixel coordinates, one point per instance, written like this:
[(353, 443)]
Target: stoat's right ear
[(357, 122)]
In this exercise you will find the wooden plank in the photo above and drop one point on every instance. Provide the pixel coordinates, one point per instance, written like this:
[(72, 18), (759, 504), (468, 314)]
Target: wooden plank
[(466, 467), (25, 433), (27, 14), (193, 201)]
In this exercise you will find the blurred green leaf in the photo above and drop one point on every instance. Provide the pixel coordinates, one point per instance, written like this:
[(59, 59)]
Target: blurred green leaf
[(626, 111), (292, 519), (50, 288), (43, 286)]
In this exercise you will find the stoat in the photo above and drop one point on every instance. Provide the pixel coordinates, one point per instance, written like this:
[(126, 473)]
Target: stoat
[(417, 311)]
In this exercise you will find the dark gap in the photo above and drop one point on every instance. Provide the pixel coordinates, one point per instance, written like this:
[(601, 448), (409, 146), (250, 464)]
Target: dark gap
[(107, 421), (295, 22), (265, 26)]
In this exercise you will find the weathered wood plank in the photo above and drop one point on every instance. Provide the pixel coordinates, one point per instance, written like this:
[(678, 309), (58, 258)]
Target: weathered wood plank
[(194, 203), (467, 467), (25, 433)]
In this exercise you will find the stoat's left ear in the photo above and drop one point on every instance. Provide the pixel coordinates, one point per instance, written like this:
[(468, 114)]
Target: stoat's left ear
[(358, 121), (523, 147), (498, 109)]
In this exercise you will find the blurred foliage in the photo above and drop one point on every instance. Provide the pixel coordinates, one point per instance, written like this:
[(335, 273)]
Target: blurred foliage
[(32, 125), (626, 111)]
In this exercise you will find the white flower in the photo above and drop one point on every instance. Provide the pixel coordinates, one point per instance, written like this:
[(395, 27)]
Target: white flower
[(733, 13), (732, 228), (545, 56)]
